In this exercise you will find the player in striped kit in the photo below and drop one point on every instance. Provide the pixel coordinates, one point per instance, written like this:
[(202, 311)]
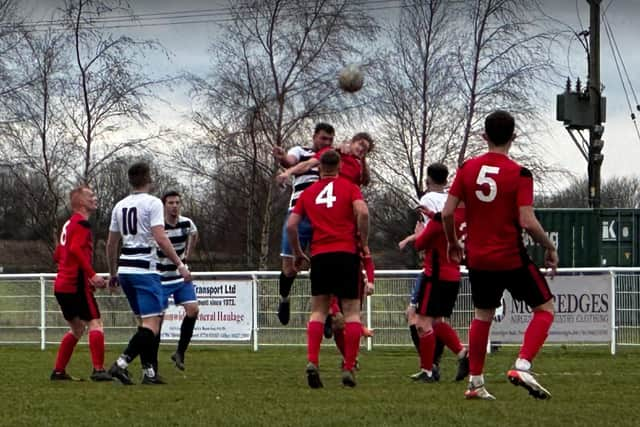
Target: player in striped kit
[(322, 137), (138, 220), (183, 234)]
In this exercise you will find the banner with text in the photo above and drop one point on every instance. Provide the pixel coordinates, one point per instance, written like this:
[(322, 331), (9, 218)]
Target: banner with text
[(583, 312), (226, 313)]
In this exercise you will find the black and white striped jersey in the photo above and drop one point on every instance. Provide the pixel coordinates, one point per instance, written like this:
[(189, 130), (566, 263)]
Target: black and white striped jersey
[(178, 235), (304, 180)]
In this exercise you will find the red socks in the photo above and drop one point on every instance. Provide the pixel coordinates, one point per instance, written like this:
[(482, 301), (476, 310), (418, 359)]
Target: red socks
[(67, 344), (315, 332), (536, 334), (478, 338), (338, 335), (96, 347), (445, 333), (427, 346), (352, 333)]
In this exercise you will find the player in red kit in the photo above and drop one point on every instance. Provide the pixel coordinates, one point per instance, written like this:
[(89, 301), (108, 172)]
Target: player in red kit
[(337, 212), (74, 286), (498, 197), (437, 294)]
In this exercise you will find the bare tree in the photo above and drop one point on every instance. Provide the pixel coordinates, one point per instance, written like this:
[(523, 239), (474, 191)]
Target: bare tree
[(502, 57), (274, 72), (617, 192), (108, 87)]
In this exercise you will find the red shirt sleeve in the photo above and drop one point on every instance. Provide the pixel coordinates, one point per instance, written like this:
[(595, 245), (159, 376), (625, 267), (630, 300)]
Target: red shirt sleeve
[(299, 206), (80, 238), (525, 188), (356, 194), (428, 235)]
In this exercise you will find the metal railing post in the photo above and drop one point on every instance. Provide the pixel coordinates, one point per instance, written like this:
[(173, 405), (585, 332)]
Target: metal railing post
[(369, 340), (43, 313), (613, 312), (254, 301)]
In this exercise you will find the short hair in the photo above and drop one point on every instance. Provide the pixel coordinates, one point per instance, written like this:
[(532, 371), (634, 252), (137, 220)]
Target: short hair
[(329, 161), (168, 194), (367, 137), (324, 127), (499, 126), (438, 172), (74, 195), (139, 174)]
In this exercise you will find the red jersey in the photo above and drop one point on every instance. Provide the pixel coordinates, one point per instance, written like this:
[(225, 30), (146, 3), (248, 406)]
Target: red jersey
[(434, 242), (350, 166), (493, 187), (328, 204), (73, 255)]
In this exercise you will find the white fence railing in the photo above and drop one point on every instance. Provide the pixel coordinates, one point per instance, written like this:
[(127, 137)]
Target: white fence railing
[(29, 313)]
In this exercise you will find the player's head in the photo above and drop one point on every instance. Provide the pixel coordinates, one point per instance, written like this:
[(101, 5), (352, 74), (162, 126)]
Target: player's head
[(437, 174), (323, 135), (329, 163), (83, 199), (361, 144), (499, 127), (172, 203), (139, 175)]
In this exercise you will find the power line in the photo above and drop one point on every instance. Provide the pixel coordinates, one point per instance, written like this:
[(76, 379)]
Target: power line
[(617, 55), (212, 15)]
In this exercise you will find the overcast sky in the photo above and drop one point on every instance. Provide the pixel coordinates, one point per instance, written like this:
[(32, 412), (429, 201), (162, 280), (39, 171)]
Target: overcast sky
[(190, 44)]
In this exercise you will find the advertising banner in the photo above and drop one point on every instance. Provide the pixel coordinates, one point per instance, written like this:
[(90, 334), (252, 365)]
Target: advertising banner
[(583, 312), (225, 312)]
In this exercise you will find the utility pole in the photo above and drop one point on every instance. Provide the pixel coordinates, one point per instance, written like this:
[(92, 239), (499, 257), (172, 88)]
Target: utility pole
[(585, 109), (596, 130)]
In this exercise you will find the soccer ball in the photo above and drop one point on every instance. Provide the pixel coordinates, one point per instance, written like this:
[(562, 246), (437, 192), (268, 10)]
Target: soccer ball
[(351, 78)]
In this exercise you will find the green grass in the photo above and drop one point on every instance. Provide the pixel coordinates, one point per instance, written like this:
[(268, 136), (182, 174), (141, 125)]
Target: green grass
[(236, 387)]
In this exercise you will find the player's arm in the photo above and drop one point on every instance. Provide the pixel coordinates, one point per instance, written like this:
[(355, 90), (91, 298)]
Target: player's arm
[(361, 212), (448, 222), (426, 236), (192, 241), (161, 238), (285, 159), (532, 226), (77, 241), (292, 235), (298, 169), (113, 241)]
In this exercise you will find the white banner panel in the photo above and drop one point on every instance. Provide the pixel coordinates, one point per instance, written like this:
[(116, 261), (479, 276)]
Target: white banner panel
[(225, 312), (583, 312)]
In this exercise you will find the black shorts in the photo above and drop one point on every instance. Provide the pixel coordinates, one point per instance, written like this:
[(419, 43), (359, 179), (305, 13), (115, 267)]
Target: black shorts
[(81, 304), (335, 273), (436, 298), (526, 284)]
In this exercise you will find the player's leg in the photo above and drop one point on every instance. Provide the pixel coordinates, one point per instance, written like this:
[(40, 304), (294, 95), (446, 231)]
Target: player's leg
[(319, 310), (96, 349), (532, 288), (411, 312), (445, 295), (287, 276), (486, 291), (186, 296), (424, 328), (69, 307), (346, 286)]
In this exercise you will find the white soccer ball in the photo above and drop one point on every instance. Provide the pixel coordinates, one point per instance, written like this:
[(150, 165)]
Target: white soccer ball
[(351, 78)]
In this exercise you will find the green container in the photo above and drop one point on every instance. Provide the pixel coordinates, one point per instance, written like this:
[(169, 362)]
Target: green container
[(575, 232), (619, 237), (590, 237)]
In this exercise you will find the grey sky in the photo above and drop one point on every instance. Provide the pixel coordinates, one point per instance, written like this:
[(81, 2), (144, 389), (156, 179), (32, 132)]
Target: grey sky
[(190, 44)]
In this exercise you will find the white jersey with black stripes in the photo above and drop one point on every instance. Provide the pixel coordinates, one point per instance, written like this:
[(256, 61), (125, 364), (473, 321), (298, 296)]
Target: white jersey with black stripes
[(179, 235), (133, 218)]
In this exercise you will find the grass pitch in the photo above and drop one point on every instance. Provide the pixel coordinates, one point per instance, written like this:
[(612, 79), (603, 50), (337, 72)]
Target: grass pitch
[(236, 387)]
